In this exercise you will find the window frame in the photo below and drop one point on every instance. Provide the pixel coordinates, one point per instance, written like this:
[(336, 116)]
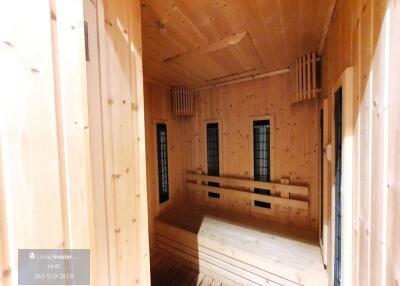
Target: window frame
[(220, 146), (155, 125), (271, 119), (346, 83), (221, 199), (208, 157)]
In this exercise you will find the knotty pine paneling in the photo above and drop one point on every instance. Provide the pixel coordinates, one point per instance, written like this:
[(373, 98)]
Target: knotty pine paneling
[(365, 34), (295, 140), (158, 108)]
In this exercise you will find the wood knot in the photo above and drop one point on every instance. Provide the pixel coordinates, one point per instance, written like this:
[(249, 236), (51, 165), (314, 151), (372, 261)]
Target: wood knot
[(53, 16), (7, 272)]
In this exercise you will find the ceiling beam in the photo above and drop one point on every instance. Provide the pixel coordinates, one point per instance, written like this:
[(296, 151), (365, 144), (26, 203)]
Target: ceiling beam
[(253, 77), (211, 47), (327, 24), (233, 76)]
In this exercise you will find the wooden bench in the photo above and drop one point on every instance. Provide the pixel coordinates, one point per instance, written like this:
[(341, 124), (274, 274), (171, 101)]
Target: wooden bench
[(239, 250)]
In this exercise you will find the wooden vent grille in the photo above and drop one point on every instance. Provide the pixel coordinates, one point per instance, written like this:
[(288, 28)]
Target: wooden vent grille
[(305, 78), (182, 101)]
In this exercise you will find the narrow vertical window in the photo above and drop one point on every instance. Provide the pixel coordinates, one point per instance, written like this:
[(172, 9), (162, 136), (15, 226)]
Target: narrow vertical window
[(262, 157), (338, 187), (321, 142), (162, 152), (212, 151)]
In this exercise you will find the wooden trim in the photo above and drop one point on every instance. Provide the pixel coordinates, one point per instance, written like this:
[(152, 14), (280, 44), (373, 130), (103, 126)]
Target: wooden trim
[(249, 195), (314, 75), (246, 183), (234, 76), (304, 76), (325, 183), (248, 78)]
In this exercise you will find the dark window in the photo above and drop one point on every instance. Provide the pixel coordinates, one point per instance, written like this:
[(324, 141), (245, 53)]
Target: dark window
[(262, 157), (338, 191), (212, 151), (162, 162), (321, 127), (214, 195), (261, 204)]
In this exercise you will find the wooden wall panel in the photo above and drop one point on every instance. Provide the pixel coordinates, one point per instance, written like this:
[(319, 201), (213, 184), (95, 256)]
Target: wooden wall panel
[(122, 108), (356, 59), (100, 273), (367, 42), (158, 106), (44, 143), (72, 141), (393, 153), (295, 141)]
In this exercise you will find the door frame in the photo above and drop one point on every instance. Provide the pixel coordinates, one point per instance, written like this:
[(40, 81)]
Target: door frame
[(346, 83), (324, 181)]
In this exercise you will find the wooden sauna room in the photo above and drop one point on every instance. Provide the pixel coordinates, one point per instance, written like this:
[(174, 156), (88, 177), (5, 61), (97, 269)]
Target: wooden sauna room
[(223, 142)]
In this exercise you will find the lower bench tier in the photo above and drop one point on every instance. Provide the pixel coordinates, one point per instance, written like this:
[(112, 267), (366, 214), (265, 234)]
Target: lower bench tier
[(238, 251)]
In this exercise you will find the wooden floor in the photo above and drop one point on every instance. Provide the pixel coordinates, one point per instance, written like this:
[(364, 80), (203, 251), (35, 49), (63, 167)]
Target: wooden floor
[(167, 271), (237, 250)]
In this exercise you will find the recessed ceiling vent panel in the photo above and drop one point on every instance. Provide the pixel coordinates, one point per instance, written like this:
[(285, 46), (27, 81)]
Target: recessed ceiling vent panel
[(182, 101)]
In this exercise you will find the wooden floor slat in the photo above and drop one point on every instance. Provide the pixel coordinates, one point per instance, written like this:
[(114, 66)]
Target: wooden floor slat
[(169, 272), (161, 271), (188, 278)]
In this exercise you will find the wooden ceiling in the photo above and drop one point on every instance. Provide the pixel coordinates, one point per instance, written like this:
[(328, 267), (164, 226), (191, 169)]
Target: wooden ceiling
[(203, 42)]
